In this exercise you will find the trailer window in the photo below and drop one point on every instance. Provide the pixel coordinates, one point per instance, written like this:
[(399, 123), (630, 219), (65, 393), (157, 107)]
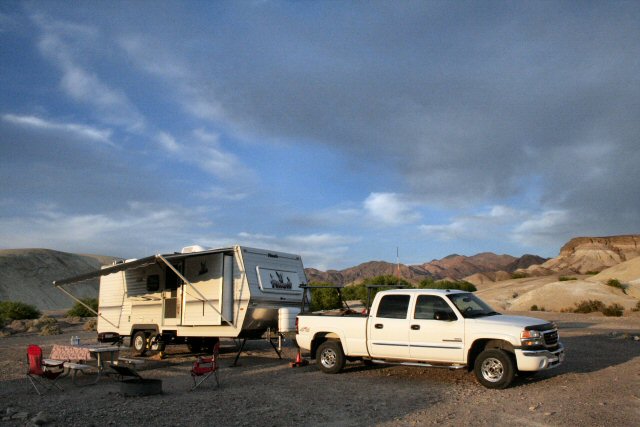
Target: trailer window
[(394, 306)]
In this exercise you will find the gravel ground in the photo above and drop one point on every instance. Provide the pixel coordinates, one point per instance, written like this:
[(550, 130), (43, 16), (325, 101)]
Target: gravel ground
[(599, 384)]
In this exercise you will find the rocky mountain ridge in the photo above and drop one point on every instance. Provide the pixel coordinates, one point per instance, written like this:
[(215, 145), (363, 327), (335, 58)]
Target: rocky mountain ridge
[(452, 267)]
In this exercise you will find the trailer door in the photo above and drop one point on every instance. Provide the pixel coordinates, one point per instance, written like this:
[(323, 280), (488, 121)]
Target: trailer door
[(202, 297)]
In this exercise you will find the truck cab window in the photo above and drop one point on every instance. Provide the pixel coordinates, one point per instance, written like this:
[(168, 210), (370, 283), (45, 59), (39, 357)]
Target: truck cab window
[(394, 306), (428, 305)]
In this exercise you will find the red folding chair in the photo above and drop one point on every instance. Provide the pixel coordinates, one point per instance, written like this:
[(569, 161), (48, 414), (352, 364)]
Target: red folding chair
[(42, 370), (204, 367)]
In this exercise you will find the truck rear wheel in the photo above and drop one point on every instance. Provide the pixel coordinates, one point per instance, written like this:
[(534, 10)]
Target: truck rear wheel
[(330, 357), (494, 369)]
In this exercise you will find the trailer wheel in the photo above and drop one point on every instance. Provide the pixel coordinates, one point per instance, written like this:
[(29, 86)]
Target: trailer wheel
[(330, 357), (494, 369), (139, 343)]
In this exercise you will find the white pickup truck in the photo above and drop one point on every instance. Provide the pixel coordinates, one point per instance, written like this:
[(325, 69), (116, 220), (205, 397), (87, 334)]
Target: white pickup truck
[(432, 327)]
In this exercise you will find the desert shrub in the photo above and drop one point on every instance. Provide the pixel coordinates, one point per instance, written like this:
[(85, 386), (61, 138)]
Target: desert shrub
[(91, 324), (534, 307), (79, 310), (386, 280), (637, 307), (3, 320), (51, 329), (613, 310), (16, 310), (592, 273), (324, 299), (44, 321), (566, 278), (446, 284), (615, 283), (519, 275), (355, 292), (589, 306)]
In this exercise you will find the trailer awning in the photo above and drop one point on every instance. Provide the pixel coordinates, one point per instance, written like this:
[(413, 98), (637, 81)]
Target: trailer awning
[(138, 263), (167, 260)]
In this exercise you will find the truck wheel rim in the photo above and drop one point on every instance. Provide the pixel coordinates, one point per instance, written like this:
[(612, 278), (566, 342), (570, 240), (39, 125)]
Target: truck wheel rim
[(492, 370), (328, 358)]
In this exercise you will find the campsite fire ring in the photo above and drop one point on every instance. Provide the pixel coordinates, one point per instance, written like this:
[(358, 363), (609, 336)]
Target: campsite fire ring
[(140, 387)]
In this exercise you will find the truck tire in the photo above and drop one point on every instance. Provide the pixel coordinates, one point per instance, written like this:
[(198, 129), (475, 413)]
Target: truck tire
[(330, 357), (494, 368), (139, 343)]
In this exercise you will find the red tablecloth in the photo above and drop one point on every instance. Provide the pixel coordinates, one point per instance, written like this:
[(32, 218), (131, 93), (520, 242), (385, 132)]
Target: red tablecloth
[(82, 352)]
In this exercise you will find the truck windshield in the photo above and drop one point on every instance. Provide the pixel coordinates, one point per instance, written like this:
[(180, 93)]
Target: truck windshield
[(471, 306)]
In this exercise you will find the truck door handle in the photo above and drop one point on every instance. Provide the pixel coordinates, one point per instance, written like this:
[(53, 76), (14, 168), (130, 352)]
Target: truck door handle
[(415, 327), (379, 326)]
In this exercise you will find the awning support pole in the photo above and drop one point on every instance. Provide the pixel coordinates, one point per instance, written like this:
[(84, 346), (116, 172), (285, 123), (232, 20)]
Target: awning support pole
[(83, 304), (184, 279)]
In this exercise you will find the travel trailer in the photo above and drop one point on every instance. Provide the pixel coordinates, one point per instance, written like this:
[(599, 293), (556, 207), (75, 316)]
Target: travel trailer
[(197, 296)]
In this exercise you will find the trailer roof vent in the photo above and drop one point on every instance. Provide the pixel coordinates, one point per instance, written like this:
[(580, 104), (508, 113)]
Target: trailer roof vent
[(193, 248)]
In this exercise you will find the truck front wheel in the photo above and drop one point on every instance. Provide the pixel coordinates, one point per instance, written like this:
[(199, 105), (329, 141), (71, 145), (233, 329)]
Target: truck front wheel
[(330, 357), (494, 368)]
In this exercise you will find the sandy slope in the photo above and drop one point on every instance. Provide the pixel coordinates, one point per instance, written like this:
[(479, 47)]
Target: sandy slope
[(552, 294)]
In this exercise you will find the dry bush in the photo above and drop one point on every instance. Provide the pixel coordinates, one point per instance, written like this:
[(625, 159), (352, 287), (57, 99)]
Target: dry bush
[(613, 310), (615, 283), (51, 329), (589, 306), (91, 324)]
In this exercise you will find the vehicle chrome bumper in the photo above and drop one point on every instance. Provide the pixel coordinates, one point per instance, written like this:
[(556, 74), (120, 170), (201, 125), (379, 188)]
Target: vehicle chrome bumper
[(538, 360)]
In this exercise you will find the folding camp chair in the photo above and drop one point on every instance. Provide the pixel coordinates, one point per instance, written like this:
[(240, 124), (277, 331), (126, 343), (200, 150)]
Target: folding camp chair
[(42, 370), (206, 366)]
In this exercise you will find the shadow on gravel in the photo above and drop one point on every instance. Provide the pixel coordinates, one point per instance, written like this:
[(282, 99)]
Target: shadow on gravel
[(574, 325), (590, 353)]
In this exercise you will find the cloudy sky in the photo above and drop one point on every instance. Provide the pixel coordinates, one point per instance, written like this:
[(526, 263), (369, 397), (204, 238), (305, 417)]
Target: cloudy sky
[(336, 130)]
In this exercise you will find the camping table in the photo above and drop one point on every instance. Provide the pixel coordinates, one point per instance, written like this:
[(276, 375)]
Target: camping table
[(85, 352)]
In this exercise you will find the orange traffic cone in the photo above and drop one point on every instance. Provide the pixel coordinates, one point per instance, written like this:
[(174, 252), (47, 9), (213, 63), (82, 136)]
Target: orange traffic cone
[(299, 361)]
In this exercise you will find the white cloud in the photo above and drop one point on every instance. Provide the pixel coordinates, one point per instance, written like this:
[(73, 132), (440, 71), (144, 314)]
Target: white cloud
[(168, 142), (204, 150), (140, 228), (390, 209), (60, 44), (497, 220), (548, 228), (167, 65), (543, 230), (320, 250), (77, 130)]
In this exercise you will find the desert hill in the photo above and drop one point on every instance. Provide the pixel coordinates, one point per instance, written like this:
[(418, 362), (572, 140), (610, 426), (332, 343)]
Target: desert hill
[(27, 275), (547, 285), (584, 255), (453, 267)]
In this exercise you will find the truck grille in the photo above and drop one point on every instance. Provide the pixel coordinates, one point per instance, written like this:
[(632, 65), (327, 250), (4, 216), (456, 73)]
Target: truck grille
[(551, 338)]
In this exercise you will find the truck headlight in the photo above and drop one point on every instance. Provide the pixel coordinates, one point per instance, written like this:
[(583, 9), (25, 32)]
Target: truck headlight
[(531, 338)]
